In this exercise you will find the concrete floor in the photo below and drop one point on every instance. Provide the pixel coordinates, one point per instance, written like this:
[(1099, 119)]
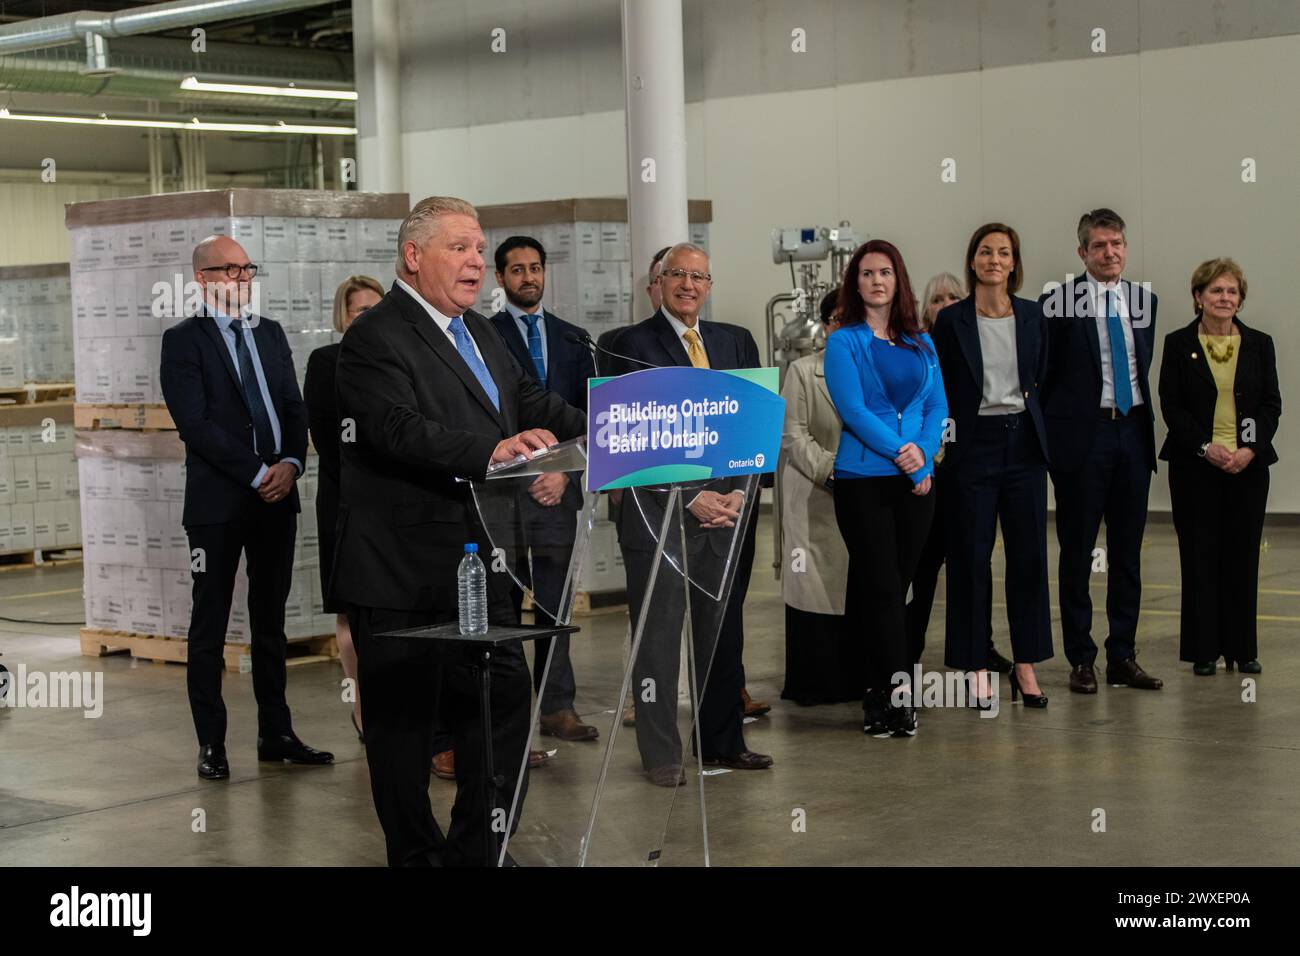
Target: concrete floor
[(1189, 775)]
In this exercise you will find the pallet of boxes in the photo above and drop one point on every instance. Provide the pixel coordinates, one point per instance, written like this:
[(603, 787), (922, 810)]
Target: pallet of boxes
[(591, 282), (40, 520), (130, 270)]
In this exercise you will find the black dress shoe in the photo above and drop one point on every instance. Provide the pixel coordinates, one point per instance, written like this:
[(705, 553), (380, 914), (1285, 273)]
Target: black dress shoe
[(997, 662), (212, 762), (1083, 679), (745, 760), (1206, 669), (1127, 673), (289, 747), (1250, 667)]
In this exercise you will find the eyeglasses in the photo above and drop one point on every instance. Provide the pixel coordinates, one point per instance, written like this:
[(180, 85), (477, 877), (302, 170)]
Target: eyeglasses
[(701, 277), (233, 269)]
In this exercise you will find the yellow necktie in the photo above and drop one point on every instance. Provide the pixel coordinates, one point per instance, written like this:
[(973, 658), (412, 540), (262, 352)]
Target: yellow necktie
[(695, 350)]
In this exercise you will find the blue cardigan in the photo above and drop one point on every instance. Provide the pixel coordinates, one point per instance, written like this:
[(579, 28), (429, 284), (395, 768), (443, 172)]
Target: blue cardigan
[(874, 430)]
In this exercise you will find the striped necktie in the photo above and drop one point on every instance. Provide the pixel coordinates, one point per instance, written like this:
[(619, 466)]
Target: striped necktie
[(535, 346), (695, 349)]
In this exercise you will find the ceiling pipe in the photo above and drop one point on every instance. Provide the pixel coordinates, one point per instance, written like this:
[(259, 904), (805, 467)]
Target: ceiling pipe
[(44, 32), (153, 67)]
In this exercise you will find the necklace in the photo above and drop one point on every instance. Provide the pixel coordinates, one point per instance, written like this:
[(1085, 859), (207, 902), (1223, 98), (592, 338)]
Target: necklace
[(1215, 354)]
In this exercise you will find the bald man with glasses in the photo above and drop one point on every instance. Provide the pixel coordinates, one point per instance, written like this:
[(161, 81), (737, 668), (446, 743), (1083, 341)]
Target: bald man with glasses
[(228, 379)]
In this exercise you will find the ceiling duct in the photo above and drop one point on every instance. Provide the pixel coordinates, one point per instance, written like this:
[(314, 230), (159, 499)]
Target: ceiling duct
[(42, 33), (152, 68)]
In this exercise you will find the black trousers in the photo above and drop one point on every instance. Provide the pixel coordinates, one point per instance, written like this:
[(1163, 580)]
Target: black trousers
[(550, 566), (404, 686), (1219, 520), (1112, 483), (885, 527), (266, 536), (926, 579), (658, 660), (1000, 478)]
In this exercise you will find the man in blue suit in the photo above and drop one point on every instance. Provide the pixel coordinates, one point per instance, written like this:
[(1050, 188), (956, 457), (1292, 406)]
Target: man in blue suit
[(1101, 428), (228, 379), (540, 341)]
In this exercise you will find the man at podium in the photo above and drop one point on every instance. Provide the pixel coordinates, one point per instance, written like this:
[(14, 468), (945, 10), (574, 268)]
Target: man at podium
[(675, 335), (428, 394)]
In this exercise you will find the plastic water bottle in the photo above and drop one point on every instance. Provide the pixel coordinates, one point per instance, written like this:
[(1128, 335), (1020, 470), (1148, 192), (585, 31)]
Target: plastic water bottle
[(471, 584)]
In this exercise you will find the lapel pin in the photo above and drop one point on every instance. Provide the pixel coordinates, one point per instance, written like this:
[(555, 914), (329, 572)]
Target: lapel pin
[(1193, 355)]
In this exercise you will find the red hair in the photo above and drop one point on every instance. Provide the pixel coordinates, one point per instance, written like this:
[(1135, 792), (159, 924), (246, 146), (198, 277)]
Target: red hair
[(903, 323)]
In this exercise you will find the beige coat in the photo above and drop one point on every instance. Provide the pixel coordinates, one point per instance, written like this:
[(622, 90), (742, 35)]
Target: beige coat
[(808, 444)]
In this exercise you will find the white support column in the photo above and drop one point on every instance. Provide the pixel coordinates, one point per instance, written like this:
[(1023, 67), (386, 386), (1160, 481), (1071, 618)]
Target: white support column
[(379, 104), (655, 84)]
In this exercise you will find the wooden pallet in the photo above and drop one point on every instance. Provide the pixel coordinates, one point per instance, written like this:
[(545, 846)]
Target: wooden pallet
[(34, 393), (588, 603), (139, 417), (100, 643), (40, 558)]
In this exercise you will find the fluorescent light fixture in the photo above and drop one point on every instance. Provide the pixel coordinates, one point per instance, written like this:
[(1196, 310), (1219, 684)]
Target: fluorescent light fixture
[(196, 123), (255, 89)]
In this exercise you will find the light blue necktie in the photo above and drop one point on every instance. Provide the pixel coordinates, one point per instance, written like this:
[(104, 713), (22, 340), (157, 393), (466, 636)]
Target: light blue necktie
[(465, 346), (535, 347), (1118, 356)]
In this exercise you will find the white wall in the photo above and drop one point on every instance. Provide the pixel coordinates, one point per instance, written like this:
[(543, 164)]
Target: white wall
[(1158, 135)]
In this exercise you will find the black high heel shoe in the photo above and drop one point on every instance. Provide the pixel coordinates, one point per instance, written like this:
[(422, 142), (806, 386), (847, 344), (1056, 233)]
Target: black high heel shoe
[(1038, 701), (360, 736)]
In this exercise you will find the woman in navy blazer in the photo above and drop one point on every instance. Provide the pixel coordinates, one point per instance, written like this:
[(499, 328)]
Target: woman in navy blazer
[(993, 352), (883, 377)]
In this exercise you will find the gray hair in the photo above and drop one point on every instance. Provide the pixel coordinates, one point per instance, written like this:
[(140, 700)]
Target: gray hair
[(943, 282), (1102, 218), (421, 224), (680, 247)]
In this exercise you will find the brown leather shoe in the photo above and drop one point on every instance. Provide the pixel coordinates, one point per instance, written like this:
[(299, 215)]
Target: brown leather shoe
[(1129, 674), (566, 725), (536, 758), (1083, 679), (745, 760), (444, 765), (670, 775), (753, 708)]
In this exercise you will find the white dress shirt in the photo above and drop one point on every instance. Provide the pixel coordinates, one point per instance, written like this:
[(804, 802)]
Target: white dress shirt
[(1097, 300), (442, 321), (681, 328)]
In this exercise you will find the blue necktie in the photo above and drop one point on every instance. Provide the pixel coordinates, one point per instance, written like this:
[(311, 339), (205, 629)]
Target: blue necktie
[(263, 434), (465, 346), (535, 347), (1118, 356)]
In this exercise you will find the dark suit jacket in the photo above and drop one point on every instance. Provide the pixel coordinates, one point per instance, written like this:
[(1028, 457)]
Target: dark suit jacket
[(568, 366), (957, 340), (654, 341), (422, 421), (322, 407), (206, 401), (1188, 394), (1072, 391)]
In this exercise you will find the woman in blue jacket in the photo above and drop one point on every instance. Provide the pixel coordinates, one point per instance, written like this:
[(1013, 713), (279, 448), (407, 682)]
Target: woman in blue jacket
[(883, 376)]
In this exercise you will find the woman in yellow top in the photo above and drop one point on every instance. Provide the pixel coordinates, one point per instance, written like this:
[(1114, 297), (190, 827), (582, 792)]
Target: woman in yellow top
[(1219, 396)]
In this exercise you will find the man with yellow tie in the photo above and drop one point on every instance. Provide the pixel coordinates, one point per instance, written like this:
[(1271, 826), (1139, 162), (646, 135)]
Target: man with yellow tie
[(675, 336)]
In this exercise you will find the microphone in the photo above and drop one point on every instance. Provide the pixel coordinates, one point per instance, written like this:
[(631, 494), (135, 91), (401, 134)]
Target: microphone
[(583, 337)]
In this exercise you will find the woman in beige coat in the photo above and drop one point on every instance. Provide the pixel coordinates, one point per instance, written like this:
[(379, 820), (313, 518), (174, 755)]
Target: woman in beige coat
[(823, 654)]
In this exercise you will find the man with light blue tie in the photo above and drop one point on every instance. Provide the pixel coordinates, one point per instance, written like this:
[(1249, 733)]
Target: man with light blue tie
[(1101, 432), (540, 341), (228, 378)]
